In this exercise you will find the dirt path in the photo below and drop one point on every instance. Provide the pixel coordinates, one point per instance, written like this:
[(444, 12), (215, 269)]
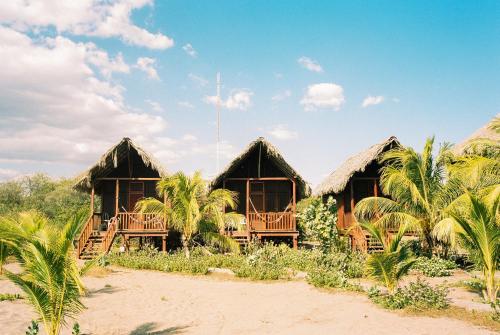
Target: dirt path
[(144, 302)]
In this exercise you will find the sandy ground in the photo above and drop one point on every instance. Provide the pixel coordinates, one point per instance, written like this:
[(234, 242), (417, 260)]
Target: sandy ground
[(144, 302)]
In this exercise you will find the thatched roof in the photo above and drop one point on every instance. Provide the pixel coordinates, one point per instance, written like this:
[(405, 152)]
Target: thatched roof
[(111, 159), (473, 142), (303, 189), (338, 179)]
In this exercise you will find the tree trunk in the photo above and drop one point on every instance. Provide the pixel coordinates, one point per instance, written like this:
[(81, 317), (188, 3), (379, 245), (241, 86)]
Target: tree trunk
[(185, 246)]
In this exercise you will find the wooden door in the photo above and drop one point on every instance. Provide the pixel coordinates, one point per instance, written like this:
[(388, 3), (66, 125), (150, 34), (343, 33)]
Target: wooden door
[(135, 193), (257, 205)]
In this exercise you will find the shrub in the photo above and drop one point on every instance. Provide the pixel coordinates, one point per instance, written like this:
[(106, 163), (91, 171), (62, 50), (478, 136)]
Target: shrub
[(417, 295), (331, 279), (434, 267), (9, 296)]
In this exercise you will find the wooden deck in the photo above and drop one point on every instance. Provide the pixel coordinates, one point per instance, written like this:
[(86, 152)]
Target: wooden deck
[(98, 235)]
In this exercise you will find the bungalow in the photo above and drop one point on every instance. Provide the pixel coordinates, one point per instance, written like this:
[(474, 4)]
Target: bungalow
[(357, 178), (121, 177), (268, 190)]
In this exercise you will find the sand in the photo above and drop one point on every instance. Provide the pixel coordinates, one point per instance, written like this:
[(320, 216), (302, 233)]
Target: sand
[(146, 302)]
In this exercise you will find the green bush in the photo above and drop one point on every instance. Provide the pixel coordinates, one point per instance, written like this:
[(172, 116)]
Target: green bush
[(434, 267), (417, 295), (331, 279), (9, 296)]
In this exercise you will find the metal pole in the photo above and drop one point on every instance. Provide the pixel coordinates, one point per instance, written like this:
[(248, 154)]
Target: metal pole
[(217, 166)]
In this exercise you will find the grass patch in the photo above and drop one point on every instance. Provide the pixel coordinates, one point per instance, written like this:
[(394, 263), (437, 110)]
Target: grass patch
[(10, 296), (476, 318), (434, 267)]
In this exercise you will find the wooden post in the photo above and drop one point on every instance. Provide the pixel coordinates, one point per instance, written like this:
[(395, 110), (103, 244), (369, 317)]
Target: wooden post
[(92, 194), (295, 244), (375, 188), (117, 190), (163, 243), (294, 206), (248, 206)]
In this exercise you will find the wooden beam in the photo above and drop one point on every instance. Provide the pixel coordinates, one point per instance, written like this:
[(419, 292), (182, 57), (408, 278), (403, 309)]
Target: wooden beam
[(164, 243), (128, 178), (248, 204), (259, 179), (375, 188), (117, 192), (294, 206), (92, 194)]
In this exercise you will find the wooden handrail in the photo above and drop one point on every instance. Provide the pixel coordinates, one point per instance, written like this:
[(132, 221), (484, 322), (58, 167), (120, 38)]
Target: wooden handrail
[(140, 222), (85, 234), (273, 221), (108, 238)]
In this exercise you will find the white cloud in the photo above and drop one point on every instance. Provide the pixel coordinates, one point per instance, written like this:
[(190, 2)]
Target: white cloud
[(281, 132), (323, 96), (310, 64), (188, 48), (372, 100), (198, 80), (156, 106), (147, 65), (106, 65), (83, 17), (238, 99), (189, 137), (7, 174), (282, 95), (53, 106), (185, 104)]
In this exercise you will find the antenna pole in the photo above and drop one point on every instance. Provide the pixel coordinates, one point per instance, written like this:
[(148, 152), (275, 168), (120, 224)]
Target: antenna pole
[(218, 123)]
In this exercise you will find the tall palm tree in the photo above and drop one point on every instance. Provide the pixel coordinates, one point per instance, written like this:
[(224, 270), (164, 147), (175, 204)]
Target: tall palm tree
[(193, 211), (476, 227), (50, 278), (414, 183), (389, 266)]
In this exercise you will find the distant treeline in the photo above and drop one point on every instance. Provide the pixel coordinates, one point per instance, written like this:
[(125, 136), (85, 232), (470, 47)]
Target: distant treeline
[(55, 198)]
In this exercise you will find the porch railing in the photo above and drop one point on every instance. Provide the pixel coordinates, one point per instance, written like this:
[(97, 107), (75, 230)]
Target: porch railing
[(274, 221), (140, 222), (85, 234)]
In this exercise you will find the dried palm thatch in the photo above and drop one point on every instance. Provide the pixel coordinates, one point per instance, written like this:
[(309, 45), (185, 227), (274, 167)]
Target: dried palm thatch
[(303, 189), (338, 179), (111, 159), (486, 137)]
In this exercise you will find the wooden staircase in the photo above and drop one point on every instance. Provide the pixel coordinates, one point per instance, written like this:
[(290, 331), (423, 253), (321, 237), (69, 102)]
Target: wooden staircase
[(373, 245), (93, 247), (92, 242)]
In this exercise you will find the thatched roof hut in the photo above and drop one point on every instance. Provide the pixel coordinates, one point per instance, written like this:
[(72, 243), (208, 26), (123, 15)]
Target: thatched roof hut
[(111, 161), (484, 135), (337, 181), (273, 154)]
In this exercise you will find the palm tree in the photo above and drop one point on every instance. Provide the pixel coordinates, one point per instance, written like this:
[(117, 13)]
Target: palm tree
[(476, 227), (414, 183), (389, 266), (193, 211), (50, 278)]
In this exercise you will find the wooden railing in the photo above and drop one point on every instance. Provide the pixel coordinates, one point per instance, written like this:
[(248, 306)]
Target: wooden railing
[(275, 221), (140, 222), (110, 235), (85, 234)]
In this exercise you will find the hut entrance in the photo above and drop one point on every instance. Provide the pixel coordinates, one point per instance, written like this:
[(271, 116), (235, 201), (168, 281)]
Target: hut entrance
[(135, 193)]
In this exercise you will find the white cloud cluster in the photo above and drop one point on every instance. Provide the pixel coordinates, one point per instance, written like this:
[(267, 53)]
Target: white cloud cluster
[(240, 99), (156, 106), (281, 132), (310, 64), (83, 17), (372, 100), (281, 96), (323, 96), (188, 48), (147, 65), (198, 80)]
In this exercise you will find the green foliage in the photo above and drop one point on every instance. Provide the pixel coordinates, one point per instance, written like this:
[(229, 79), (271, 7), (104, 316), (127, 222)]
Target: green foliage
[(417, 295), (394, 262), (319, 222), (434, 267), (495, 314), (76, 329), (50, 278), (54, 198), (331, 278), (193, 211), (33, 328), (10, 296)]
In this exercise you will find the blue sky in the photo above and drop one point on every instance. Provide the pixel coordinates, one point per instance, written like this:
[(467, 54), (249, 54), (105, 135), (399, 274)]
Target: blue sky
[(321, 80)]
